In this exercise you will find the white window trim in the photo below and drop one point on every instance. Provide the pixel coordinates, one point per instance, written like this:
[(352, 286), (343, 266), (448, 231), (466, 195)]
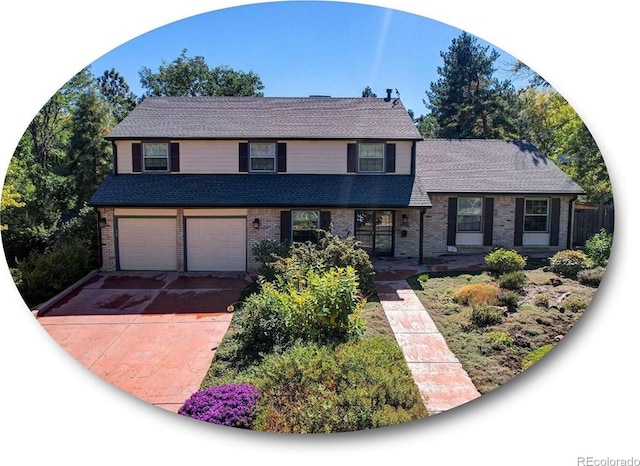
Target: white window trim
[(384, 149), (252, 157), (525, 215), (144, 157)]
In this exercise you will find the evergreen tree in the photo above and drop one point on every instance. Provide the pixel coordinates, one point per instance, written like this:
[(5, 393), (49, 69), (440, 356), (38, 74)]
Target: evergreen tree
[(467, 101), (117, 92)]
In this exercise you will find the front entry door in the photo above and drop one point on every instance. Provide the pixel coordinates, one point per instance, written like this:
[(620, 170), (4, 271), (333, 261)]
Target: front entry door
[(374, 230)]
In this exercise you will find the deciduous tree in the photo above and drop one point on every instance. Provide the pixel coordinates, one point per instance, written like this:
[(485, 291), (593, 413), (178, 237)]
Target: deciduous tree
[(192, 77)]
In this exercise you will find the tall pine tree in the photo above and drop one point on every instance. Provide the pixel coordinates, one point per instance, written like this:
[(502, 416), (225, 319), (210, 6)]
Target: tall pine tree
[(467, 101)]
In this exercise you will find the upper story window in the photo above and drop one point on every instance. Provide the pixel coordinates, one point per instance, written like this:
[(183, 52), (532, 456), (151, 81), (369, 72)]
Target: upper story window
[(262, 156), (469, 214), (536, 215), (371, 157), (155, 156)]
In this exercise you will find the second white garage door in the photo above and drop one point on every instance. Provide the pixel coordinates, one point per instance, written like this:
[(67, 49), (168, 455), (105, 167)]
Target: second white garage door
[(216, 244)]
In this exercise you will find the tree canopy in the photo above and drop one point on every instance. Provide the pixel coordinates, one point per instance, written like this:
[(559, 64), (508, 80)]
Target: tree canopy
[(467, 101), (192, 77)]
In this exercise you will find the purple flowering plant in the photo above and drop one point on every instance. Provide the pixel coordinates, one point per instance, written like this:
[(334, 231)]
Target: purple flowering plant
[(231, 405)]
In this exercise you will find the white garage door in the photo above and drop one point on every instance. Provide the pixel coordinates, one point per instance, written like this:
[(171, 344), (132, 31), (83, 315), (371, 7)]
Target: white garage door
[(216, 244), (147, 244)]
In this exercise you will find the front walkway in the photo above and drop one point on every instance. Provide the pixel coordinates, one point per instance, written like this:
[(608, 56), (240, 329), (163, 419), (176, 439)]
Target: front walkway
[(442, 381)]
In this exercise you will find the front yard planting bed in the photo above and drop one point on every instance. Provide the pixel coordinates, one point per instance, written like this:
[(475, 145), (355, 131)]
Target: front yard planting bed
[(496, 341)]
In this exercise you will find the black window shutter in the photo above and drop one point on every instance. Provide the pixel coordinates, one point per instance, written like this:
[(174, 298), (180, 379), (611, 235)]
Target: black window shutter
[(136, 156), (518, 228), (488, 222), (243, 157), (390, 158), (554, 228), (285, 225), (325, 220), (452, 221), (174, 148), (282, 157), (352, 158)]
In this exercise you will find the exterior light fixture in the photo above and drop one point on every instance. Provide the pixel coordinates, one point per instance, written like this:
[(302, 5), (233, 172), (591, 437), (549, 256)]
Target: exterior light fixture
[(405, 220), (256, 223), (103, 222)]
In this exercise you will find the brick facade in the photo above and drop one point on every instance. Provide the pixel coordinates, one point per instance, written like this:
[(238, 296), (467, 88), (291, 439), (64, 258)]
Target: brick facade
[(406, 230), (436, 221)]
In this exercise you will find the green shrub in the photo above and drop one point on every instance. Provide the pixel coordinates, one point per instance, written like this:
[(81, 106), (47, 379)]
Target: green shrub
[(293, 261), (598, 247), (499, 340), (514, 281), (476, 294), (503, 261), (534, 356), (575, 303), (591, 277), (569, 262), (541, 300), (45, 274), (349, 387), (327, 308), (485, 316), (509, 299), (267, 252)]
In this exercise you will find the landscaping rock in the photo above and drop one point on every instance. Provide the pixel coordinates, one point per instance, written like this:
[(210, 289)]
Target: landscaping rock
[(554, 281)]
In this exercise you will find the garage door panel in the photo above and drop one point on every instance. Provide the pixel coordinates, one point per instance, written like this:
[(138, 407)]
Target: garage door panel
[(147, 244), (216, 244)]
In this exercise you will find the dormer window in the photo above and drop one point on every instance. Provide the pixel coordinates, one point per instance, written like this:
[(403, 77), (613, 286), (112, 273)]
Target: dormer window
[(262, 156), (155, 156), (371, 157)]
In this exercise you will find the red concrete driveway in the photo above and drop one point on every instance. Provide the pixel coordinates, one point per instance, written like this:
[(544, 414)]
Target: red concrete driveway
[(152, 335)]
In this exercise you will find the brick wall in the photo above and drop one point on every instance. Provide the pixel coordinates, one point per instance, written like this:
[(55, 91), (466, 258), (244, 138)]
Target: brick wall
[(435, 226), (108, 240)]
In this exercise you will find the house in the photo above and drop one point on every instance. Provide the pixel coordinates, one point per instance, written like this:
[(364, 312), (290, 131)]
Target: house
[(197, 181)]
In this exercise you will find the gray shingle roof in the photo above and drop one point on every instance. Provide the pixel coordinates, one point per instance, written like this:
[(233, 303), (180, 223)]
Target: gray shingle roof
[(251, 190), (266, 117), (488, 166)]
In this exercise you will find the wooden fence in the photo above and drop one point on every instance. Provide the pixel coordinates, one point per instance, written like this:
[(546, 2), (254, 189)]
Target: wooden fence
[(589, 219)]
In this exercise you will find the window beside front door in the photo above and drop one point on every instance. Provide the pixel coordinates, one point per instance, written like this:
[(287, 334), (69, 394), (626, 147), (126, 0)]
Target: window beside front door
[(536, 215), (374, 231), (305, 225), (155, 156)]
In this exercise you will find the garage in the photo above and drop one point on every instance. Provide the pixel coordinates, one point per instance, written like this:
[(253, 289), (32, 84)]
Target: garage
[(216, 244), (147, 243)]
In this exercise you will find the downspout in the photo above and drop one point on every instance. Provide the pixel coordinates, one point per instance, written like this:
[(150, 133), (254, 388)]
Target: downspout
[(99, 227), (114, 150), (570, 226), (421, 235)]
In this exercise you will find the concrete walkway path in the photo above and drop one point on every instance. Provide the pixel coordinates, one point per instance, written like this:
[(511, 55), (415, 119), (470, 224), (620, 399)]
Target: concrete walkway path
[(442, 381)]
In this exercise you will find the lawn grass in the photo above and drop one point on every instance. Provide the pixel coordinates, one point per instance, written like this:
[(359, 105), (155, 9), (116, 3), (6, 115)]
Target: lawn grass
[(493, 355)]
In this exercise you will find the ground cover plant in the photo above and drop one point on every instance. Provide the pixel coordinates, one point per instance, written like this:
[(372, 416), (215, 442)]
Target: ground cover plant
[(501, 320), (314, 341)]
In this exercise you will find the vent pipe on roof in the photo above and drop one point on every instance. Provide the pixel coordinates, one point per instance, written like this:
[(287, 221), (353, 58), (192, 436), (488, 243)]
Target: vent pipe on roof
[(388, 97)]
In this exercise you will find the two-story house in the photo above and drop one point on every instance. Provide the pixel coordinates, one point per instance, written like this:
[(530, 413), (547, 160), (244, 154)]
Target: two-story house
[(198, 181)]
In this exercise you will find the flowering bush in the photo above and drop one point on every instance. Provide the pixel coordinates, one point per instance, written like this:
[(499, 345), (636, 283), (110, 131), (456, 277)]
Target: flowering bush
[(231, 405)]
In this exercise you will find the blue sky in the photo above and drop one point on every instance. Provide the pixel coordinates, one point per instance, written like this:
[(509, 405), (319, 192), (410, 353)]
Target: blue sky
[(304, 48)]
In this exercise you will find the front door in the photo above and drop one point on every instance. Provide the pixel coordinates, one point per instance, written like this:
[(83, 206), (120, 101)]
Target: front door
[(374, 230)]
